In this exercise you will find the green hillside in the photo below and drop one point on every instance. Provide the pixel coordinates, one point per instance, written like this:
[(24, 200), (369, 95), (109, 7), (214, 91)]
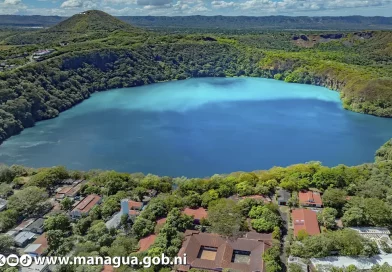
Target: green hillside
[(85, 26), (94, 51), (91, 21)]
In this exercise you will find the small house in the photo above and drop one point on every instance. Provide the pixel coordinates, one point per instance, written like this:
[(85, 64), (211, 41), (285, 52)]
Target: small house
[(22, 226), (37, 226), (85, 206), (146, 242), (310, 199), (130, 207), (304, 219), (38, 247), (23, 238), (283, 197), (197, 214)]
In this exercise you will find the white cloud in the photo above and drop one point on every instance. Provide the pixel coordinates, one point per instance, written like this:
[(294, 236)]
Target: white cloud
[(12, 2), (189, 7), (154, 2), (206, 7), (11, 7), (73, 4), (223, 4), (120, 2), (288, 6)]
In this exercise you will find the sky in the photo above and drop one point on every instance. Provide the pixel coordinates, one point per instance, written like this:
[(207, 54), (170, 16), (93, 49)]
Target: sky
[(201, 7)]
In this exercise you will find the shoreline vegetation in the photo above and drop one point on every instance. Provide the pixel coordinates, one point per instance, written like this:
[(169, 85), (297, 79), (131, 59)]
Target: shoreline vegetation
[(98, 52)]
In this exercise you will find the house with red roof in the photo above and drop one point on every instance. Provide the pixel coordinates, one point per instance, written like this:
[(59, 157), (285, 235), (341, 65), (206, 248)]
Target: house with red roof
[(130, 207), (107, 268), (85, 206), (38, 247), (161, 221), (212, 252), (146, 242), (304, 219), (310, 199), (197, 214), (68, 191)]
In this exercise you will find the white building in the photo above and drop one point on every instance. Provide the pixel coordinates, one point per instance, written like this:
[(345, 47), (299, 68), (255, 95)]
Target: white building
[(36, 268), (375, 234), (362, 263)]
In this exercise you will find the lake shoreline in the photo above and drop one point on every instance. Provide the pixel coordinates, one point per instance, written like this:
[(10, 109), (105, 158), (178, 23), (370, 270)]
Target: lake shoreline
[(202, 126)]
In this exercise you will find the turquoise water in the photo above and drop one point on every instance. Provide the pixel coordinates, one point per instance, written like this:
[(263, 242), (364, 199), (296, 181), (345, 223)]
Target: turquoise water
[(199, 127)]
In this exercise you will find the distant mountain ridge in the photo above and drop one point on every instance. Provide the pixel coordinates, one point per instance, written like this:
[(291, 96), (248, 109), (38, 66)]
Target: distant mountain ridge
[(227, 22)]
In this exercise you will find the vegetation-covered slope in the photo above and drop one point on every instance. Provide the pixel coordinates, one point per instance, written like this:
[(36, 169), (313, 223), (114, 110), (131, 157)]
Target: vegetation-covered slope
[(103, 52), (92, 20), (85, 26)]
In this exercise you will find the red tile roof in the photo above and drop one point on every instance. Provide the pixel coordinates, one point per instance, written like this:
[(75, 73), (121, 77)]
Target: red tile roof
[(133, 212), (74, 190), (65, 190), (304, 219), (70, 191), (224, 249), (41, 240), (88, 203), (107, 268), (25, 224), (135, 205), (146, 242), (309, 198), (161, 221), (197, 214)]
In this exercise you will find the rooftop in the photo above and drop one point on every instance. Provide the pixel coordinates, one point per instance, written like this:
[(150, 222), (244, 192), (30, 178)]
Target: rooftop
[(304, 219), (107, 268), (197, 214), (370, 230), (146, 242), (283, 195), (87, 203), (362, 263), (37, 224), (135, 205), (3, 202), (68, 191), (114, 222), (133, 212), (211, 252), (161, 221), (38, 246), (23, 236), (34, 267), (25, 224), (310, 198)]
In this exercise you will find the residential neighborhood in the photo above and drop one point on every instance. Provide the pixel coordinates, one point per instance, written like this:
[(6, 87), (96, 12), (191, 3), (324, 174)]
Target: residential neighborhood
[(144, 215)]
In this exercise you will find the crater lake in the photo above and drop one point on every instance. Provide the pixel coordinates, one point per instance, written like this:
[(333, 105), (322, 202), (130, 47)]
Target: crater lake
[(199, 127)]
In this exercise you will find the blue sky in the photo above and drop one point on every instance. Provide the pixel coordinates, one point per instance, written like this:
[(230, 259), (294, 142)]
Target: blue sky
[(201, 7)]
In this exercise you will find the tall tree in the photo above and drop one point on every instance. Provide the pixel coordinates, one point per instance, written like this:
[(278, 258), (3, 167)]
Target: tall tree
[(225, 217)]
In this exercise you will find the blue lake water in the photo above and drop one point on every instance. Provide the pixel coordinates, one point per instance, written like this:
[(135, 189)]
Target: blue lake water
[(199, 127)]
